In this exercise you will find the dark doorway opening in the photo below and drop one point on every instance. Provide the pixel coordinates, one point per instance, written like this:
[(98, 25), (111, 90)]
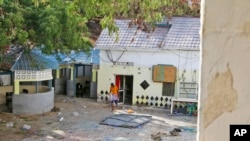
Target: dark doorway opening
[(125, 84)]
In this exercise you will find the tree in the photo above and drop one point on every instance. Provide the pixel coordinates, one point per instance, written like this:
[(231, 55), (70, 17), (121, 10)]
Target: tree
[(61, 25)]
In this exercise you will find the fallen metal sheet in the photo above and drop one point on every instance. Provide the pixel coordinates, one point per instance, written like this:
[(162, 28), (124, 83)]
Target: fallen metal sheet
[(126, 120)]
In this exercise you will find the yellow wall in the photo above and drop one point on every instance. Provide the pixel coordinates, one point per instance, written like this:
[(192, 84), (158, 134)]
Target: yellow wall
[(3, 90), (106, 75)]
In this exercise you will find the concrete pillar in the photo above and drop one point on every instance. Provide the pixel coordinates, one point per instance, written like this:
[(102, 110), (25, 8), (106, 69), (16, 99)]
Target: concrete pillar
[(50, 84), (37, 87), (16, 86), (57, 73), (72, 73), (94, 75), (71, 88), (224, 80)]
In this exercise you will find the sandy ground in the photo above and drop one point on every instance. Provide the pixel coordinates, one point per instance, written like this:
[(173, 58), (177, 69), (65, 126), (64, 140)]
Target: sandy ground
[(77, 119)]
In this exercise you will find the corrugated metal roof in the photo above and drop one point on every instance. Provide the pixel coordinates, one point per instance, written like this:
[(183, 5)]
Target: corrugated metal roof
[(131, 37), (77, 57), (33, 61), (183, 34), (85, 58), (36, 60)]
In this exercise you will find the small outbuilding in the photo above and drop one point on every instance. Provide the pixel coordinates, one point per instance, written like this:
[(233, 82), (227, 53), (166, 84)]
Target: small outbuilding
[(27, 86)]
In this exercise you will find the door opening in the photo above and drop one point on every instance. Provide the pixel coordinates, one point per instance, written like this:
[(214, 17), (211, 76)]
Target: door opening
[(125, 85)]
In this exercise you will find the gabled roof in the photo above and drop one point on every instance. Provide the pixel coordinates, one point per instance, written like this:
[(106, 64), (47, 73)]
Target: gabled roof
[(33, 61), (183, 34), (131, 37)]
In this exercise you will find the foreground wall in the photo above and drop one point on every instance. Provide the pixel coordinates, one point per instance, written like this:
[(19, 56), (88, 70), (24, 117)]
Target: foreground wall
[(33, 103), (225, 79)]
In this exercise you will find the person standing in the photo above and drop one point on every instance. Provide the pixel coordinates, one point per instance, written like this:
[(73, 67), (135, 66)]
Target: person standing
[(114, 95)]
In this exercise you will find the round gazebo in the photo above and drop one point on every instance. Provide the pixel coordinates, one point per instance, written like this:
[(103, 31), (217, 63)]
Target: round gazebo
[(32, 91)]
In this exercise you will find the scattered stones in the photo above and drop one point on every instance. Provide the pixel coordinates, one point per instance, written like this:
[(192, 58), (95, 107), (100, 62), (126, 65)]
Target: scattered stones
[(66, 100), (26, 127), (61, 119), (177, 129), (10, 124), (83, 106), (174, 133), (58, 134), (75, 114), (158, 136)]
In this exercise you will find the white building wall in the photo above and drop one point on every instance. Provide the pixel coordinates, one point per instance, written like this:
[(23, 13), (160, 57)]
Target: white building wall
[(224, 91), (187, 63)]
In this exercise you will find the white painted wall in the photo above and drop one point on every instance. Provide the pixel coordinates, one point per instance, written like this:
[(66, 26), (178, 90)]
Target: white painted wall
[(186, 61), (5, 80), (224, 90)]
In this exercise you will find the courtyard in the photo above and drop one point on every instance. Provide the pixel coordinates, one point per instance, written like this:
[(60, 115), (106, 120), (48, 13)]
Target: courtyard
[(78, 119)]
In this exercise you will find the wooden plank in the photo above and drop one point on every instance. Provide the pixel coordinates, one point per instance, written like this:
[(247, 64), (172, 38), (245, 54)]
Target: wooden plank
[(169, 74), (164, 73)]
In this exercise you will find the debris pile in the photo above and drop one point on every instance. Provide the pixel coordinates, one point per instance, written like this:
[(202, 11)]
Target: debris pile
[(158, 136)]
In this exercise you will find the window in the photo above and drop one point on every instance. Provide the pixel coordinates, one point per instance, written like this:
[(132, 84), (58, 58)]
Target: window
[(83, 70), (168, 89), (5, 79), (62, 72)]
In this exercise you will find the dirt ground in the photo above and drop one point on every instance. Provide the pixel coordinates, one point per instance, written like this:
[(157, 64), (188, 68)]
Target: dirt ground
[(77, 119)]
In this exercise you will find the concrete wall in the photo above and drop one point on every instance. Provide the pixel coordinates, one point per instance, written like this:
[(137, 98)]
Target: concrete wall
[(187, 63), (224, 90), (93, 89), (71, 88), (60, 86), (33, 103)]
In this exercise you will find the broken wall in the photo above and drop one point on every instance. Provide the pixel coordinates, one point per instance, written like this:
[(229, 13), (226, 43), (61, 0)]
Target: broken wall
[(224, 90)]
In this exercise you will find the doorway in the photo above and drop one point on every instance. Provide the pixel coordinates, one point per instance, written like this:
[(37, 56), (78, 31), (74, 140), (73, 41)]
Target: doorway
[(125, 85)]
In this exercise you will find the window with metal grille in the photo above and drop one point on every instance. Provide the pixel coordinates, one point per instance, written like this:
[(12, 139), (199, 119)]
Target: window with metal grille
[(168, 89)]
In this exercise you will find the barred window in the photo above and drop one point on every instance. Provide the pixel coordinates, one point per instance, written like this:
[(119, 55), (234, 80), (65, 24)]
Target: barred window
[(168, 89)]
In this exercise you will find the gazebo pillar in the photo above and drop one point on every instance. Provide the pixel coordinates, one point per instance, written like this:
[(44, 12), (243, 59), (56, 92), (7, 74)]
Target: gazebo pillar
[(16, 86), (50, 84), (36, 87)]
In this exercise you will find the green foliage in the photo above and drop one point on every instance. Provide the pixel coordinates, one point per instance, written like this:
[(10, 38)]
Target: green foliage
[(60, 25)]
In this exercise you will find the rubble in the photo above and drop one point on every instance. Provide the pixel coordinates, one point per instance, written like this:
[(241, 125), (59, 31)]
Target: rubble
[(75, 114), (10, 124), (61, 119), (158, 136), (26, 127)]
